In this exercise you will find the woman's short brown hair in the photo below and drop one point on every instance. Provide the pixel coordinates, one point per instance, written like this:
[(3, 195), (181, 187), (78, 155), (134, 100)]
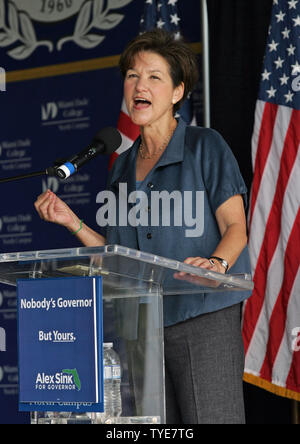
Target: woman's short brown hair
[(181, 59)]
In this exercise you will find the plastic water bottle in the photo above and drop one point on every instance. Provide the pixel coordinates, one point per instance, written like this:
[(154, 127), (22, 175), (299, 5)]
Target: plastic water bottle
[(108, 409), (116, 383), (112, 384)]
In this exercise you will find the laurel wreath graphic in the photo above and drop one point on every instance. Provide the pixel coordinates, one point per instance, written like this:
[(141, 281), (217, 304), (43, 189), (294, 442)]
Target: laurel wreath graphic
[(19, 28), (92, 15)]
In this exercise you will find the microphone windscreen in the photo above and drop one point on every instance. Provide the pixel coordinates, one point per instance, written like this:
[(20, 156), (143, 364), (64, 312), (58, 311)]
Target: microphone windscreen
[(110, 138)]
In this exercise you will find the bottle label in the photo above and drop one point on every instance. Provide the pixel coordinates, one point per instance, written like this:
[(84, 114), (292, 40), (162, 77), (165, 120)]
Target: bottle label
[(116, 372), (107, 372)]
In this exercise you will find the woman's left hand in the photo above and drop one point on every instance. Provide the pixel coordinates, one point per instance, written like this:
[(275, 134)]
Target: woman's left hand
[(203, 262)]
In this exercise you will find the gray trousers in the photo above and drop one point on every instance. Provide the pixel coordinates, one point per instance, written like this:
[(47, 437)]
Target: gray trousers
[(204, 360)]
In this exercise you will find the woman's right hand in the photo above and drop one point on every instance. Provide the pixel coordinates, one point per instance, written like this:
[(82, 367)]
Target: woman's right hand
[(52, 209)]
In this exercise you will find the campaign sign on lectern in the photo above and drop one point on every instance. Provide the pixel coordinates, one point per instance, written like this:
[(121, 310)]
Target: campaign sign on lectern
[(60, 344)]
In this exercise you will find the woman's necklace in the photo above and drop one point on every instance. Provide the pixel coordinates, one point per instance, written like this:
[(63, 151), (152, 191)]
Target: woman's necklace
[(142, 150)]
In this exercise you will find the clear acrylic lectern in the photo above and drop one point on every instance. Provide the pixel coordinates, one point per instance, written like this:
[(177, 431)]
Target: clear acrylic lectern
[(133, 290)]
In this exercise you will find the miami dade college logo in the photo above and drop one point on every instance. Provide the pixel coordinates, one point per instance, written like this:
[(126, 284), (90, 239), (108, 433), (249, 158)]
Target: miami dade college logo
[(49, 111), (18, 18)]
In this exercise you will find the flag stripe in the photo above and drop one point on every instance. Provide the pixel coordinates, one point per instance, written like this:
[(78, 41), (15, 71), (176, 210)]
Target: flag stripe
[(278, 318), (127, 127), (263, 149), (268, 184), (126, 142), (272, 231), (112, 158), (273, 225), (285, 358), (257, 349), (262, 223), (293, 379), (259, 112)]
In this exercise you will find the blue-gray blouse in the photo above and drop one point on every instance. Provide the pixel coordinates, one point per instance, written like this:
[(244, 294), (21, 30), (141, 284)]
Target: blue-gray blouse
[(196, 159)]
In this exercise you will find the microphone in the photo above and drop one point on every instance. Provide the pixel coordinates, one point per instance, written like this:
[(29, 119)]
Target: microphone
[(105, 142)]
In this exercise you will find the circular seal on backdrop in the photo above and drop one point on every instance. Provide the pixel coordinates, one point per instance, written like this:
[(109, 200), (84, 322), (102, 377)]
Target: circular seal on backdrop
[(49, 10)]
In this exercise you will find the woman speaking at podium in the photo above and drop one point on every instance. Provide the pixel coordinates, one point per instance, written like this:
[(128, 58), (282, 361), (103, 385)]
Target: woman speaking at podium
[(204, 356)]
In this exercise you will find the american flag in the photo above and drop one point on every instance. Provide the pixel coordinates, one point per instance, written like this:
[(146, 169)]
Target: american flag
[(157, 14), (271, 317)]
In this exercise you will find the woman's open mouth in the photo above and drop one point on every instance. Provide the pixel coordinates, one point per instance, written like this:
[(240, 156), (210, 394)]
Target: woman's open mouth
[(140, 103)]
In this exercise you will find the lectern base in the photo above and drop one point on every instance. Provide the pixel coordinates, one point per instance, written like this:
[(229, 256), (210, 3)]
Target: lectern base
[(89, 418)]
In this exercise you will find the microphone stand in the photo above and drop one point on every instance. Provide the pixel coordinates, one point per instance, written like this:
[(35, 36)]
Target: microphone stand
[(52, 172), (22, 176)]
